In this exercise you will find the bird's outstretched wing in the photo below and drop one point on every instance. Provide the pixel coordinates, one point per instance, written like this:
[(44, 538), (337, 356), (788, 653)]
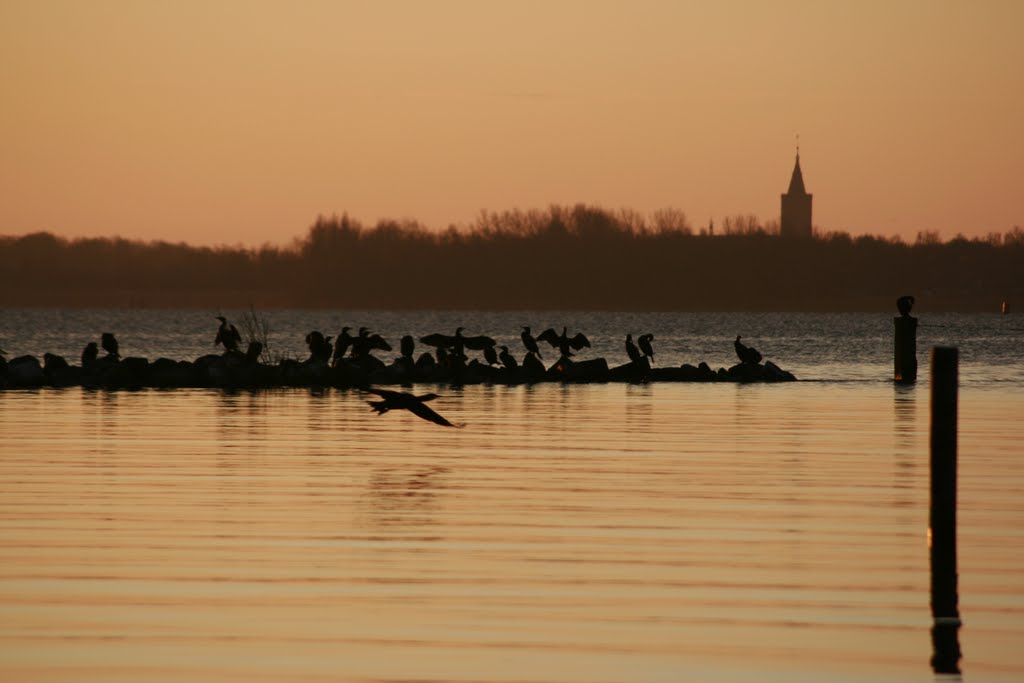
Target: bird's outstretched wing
[(438, 340), (550, 336), (399, 400), (478, 343), (385, 394), (421, 410), (579, 341), (378, 342)]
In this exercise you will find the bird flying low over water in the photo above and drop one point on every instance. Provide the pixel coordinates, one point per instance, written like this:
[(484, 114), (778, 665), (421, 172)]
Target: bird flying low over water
[(563, 342), (400, 400), (746, 354)]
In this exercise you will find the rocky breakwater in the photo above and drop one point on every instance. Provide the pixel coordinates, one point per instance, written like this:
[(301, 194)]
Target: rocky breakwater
[(237, 370)]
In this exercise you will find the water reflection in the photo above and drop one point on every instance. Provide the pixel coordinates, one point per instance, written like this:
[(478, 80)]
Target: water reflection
[(595, 532), (946, 653), (908, 445), (404, 497)]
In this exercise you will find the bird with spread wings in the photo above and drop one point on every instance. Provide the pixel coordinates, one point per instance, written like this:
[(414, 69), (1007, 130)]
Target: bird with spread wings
[(400, 400)]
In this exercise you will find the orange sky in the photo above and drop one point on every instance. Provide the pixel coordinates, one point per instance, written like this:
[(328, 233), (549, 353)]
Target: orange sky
[(239, 122)]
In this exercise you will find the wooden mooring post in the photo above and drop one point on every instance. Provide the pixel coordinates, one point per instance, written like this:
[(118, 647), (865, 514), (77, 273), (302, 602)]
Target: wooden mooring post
[(942, 515), (905, 349)]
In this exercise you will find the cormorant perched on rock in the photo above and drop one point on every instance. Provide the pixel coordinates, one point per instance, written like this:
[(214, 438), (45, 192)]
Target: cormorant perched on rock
[(645, 345), (563, 342), (365, 342), (89, 354), (400, 400), (227, 334), (507, 359), (457, 343), (319, 346), (631, 350), (252, 354), (490, 355), (530, 343), (408, 346), (747, 354), (341, 345), (110, 345), (904, 304)]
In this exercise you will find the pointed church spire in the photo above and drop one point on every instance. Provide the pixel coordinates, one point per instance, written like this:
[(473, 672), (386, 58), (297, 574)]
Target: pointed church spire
[(795, 220), (796, 183)]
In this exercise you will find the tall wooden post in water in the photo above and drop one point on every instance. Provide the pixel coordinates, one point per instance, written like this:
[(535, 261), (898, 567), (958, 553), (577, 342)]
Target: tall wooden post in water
[(942, 516), (905, 347)]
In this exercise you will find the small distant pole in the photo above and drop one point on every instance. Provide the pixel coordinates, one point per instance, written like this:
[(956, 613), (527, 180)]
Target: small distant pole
[(942, 515), (905, 346)]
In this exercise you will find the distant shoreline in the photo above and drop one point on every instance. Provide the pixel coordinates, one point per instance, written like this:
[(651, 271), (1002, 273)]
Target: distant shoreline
[(566, 258)]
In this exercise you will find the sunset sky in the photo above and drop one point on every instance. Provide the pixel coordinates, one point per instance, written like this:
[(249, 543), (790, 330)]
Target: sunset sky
[(221, 122)]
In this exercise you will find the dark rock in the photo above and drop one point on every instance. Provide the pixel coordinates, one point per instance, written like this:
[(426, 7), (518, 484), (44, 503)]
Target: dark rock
[(58, 373), (25, 371), (533, 369), (634, 371), (753, 372), (773, 373), (567, 370)]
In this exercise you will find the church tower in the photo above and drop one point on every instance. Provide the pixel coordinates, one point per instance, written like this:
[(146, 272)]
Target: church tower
[(796, 206)]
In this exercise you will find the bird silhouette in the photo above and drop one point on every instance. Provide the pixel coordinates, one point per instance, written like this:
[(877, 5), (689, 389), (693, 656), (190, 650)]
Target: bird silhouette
[(631, 350), (904, 304), (530, 343), (747, 354), (645, 345), (89, 354), (253, 352), (507, 359), (407, 346), (476, 343), (341, 346), (400, 400), (365, 342), (227, 334), (490, 355), (563, 342), (109, 343), (320, 347), (438, 340)]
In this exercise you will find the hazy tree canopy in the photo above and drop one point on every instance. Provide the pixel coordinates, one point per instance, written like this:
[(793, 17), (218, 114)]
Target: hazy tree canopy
[(578, 257)]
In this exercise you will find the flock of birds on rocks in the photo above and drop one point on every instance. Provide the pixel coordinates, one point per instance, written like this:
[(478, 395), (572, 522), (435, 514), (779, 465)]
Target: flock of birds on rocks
[(348, 360), (349, 351), (450, 351)]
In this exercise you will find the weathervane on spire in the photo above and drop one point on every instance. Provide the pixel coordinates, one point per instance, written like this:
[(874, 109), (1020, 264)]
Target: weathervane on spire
[(798, 145)]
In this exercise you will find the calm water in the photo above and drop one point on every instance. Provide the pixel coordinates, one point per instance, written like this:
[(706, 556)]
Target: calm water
[(568, 533)]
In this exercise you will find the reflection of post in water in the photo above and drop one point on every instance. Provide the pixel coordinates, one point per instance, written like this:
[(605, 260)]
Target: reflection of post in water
[(942, 517)]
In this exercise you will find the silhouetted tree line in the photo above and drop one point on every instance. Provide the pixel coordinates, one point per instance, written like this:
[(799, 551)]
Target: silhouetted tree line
[(578, 257)]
